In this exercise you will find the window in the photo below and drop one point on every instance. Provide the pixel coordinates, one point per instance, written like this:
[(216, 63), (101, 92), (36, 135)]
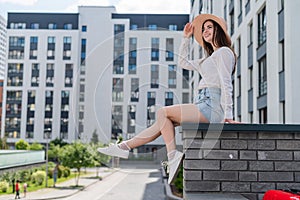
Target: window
[(50, 75), (169, 98), (173, 27), (152, 27), (117, 121), (154, 76), (48, 118), (34, 26), (64, 114), (262, 76), (169, 49), (263, 116), (250, 34), (282, 112), (83, 52), (132, 55), (185, 78), (232, 23), (225, 10), (134, 95), (67, 48), (30, 114), (118, 62), (250, 75), (33, 48), (35, 75), (67, 26), (117, 90), (18, 25), (16, 48), (69, 75), (155, 49), (131, 119), (51, 48), (84, 28), (281, 56), (262, 27), (133, 27), (13, 113), (52, 26), (15, 74), (172, 76), (185, 97), (151, 96)]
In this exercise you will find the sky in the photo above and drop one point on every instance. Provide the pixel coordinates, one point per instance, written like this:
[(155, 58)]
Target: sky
[(122, 6)]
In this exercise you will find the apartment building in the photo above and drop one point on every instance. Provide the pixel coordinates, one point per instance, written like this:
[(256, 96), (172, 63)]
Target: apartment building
[(265, 38), (2, 46), (39, 81), (70, 75), (2, 58)]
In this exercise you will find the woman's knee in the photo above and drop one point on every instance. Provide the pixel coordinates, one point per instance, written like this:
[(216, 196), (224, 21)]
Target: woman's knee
[(161, 113)]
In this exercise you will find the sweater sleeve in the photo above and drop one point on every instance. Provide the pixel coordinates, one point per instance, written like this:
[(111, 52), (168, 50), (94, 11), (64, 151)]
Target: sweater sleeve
[(225, 63), (183, 60)]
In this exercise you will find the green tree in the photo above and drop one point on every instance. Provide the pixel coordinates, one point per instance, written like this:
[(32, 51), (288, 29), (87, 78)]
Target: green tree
[(22, 145), (97, 158), (94, 138), (75, 155), (54, 152), (36, 146), (59, 142)]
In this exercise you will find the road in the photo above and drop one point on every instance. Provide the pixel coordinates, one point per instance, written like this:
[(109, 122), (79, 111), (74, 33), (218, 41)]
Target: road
[(131, 182)]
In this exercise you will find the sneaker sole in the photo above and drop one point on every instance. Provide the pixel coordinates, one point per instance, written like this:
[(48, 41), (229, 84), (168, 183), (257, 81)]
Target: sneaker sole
[(109, 154)]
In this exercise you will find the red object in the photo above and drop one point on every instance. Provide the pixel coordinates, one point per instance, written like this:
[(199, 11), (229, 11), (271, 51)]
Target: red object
[(280, 195), (17, 187)]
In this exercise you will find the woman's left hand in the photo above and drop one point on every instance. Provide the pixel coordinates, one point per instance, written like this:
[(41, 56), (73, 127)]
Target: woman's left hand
[(231, 121)]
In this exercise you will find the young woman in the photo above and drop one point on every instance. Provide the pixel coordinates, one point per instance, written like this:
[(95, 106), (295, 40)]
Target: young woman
[(213, 103)]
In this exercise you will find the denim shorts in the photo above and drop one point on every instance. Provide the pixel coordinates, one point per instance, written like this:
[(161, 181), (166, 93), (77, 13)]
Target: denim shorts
[(208, 102)]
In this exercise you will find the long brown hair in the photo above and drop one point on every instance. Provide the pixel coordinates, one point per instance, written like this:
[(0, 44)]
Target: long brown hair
[(219, 40)]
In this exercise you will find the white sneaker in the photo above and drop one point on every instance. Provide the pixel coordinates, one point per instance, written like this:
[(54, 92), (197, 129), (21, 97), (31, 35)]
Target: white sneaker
[(114, 150), (174, 166)]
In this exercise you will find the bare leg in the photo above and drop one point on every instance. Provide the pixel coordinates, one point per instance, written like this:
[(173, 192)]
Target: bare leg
[(164, 125)]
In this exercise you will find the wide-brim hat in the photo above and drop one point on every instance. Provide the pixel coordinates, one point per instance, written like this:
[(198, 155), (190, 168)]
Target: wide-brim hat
[(198, 24)]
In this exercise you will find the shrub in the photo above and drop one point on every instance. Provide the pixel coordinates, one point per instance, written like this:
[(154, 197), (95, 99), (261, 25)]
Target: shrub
[(4, 186), (38, 177), (24, 175), (60, 171), (50, 172), (66, 172), (179, 180)]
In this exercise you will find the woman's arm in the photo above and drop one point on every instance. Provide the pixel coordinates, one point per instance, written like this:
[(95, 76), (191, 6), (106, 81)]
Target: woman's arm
[(183, 60)]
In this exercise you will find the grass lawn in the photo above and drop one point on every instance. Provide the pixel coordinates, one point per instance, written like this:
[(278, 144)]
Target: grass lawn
[(32, 187)]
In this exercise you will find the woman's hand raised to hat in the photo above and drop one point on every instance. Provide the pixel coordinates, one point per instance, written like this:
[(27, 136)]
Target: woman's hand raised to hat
[(188, 30)]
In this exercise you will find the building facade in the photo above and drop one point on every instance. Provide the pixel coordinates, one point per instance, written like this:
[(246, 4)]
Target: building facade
[(39, 81), (96, 71), (264, 37), (2, 46)]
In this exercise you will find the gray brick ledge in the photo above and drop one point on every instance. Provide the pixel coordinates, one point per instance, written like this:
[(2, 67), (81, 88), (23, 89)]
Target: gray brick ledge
[(213, 196), (242, 127)]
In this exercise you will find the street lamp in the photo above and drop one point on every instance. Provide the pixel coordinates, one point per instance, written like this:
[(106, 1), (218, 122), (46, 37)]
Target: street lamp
[(46, 132)]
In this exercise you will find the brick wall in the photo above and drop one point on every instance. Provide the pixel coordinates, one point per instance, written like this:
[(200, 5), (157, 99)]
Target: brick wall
[(245, 159)]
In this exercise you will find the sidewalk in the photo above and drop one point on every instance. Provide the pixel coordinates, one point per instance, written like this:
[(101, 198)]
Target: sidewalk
[(64, 189)]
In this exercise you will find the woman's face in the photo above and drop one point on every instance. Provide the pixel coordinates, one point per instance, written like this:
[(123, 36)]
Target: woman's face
[(208, 31)]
